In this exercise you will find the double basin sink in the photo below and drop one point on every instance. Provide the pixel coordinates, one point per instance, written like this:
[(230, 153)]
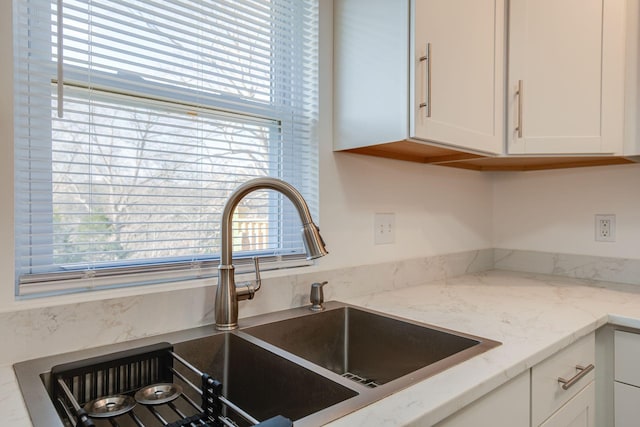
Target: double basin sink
[(310, 367)]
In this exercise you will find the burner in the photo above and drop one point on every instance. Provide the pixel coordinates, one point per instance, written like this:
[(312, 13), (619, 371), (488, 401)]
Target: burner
[(158, 394), (110, 406)]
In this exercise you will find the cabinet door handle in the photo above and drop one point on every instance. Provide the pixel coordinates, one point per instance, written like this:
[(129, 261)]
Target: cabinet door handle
[(520, 94), (582, 371), (427, 59)]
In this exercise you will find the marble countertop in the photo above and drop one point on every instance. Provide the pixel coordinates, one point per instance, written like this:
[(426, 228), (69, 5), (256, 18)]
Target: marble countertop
[(533, 316)]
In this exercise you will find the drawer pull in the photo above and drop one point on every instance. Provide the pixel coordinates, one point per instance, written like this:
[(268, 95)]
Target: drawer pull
[(582, 371)]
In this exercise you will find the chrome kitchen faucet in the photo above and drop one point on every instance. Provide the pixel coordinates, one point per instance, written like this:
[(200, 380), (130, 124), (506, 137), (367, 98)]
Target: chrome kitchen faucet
[(228, 293)]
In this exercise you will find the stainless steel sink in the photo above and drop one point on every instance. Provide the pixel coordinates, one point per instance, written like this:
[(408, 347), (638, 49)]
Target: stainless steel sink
[(370, 347), (295, 363)]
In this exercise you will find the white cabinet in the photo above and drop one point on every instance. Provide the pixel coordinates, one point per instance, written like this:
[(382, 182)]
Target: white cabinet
[(566, 65), (627, 378), (381, 77), (458, 72), (510, 401), (431, 81)]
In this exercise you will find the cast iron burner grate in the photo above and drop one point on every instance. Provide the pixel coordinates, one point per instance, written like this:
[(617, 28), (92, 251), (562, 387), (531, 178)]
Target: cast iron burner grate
[(124, 373)]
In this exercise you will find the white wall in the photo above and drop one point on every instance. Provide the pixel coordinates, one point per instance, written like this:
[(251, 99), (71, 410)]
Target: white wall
[(438, 210), (553, 211)]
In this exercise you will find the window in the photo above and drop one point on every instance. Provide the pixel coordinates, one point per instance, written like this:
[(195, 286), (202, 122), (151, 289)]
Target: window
[(135, 119)]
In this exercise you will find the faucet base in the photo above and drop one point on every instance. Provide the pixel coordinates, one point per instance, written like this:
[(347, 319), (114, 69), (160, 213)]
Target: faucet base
[(226, 327)]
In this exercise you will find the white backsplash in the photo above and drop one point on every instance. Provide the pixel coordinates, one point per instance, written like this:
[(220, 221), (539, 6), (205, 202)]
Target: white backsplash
[(39, 332), (618, 270)]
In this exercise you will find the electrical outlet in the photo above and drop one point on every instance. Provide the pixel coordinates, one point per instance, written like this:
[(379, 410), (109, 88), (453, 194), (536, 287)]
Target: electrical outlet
[(384, 228), (605, 228)]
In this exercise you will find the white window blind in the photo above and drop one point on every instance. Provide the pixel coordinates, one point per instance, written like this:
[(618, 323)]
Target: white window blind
[(134, 120)]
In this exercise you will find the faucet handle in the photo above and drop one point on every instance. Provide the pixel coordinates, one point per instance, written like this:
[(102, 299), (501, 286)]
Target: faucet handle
[(248, 290), (317, 296)]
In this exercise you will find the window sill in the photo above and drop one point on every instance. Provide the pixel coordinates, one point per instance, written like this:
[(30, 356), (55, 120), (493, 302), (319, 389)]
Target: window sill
[(22, 303)]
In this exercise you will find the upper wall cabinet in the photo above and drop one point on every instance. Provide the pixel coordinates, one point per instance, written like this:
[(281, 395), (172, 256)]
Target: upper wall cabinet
[(419, 80), (429, 81), (566, 80)]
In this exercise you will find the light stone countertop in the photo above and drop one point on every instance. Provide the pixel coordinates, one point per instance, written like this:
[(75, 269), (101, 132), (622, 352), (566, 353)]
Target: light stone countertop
[(533, 316)]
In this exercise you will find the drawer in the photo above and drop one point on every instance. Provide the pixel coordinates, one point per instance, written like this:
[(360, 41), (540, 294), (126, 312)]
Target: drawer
[(547, 393), (627, 357)]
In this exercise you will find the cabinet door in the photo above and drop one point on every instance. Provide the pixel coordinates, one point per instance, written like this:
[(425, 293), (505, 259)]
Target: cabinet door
[(578, 412), (566, 76), (626, 409), (626, 353), (626, 390), (508, 406), (460, 85)]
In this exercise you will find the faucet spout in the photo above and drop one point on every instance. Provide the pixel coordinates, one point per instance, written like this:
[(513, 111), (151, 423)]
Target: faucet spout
[(226, 304)]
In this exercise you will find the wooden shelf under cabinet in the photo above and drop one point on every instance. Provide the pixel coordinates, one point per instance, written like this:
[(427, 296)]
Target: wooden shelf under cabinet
[(443, 156), (414, 152), (531, 163)]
